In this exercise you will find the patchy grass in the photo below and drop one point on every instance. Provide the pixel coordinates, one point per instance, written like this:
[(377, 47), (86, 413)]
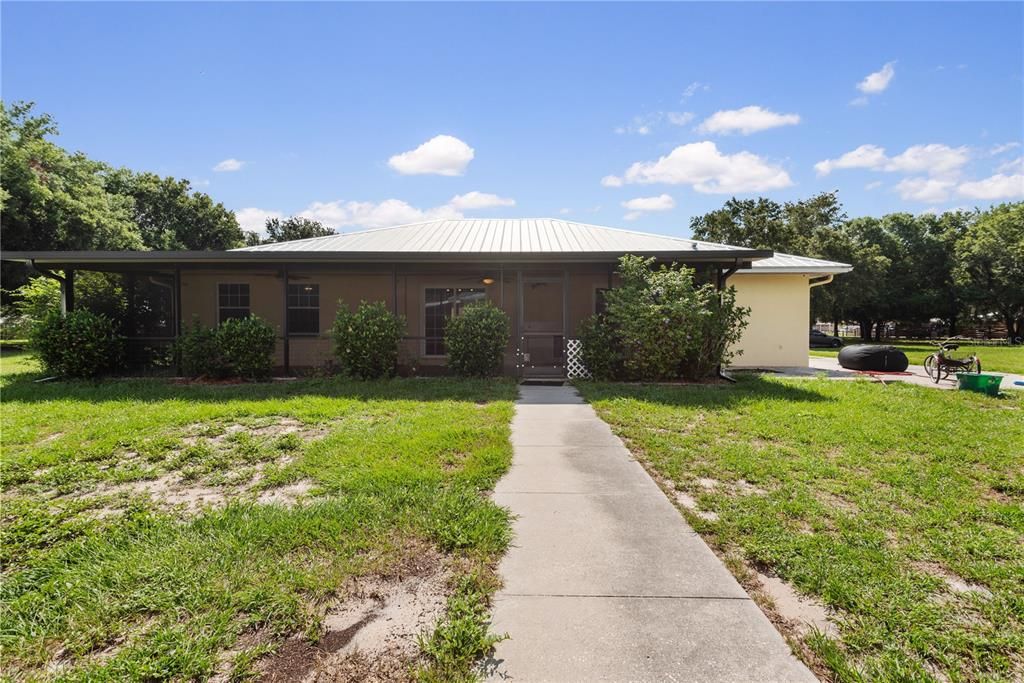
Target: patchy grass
[(994, 358), (901, 508), (109, 574)]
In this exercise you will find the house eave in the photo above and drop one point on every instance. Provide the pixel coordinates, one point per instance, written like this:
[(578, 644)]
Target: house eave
[(185, 258)]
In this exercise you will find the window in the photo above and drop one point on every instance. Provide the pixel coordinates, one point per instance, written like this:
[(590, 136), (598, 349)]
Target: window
[(441, 304), (600, 305), (303, 309), (232, 301)]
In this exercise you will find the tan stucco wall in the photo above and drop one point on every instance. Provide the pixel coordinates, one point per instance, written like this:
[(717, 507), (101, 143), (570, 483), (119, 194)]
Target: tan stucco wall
[(199, 299), (779, 319)]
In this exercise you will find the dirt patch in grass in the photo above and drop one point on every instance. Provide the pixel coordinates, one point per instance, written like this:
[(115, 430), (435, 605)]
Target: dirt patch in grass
[(954, 582), (372, 634), (804, 614), (211, 465)]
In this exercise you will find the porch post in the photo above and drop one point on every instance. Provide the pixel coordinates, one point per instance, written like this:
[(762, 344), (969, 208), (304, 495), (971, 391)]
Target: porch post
[(284, 319), (67, 292), (177, 303), (394, 289)]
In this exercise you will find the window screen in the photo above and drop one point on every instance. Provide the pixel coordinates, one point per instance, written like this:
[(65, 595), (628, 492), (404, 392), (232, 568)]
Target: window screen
[(441, 304), (232, 301), (303, 309)]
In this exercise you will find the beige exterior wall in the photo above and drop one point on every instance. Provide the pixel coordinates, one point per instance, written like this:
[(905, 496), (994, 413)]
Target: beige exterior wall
[(779, 319), (199, 299)]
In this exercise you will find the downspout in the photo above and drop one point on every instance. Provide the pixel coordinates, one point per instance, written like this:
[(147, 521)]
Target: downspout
[(818, 281)]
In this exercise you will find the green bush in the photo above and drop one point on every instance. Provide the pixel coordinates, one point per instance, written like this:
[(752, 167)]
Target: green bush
[(600, 349), (82, 344), (239, 347), (366, 340), (198, 352), (660, 325), (247, 346), (476, 340)]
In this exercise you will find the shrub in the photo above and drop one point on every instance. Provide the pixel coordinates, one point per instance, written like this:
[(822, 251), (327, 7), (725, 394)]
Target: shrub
[(600, 350), (366, 340), (82, 344), (476, 340), (198, 352), (247, 345), (659, 324)]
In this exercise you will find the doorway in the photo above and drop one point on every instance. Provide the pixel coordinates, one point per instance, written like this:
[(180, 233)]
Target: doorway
[(541, 349)]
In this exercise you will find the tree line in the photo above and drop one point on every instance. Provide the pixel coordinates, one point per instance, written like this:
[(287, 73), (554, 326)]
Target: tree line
[(928, 272)]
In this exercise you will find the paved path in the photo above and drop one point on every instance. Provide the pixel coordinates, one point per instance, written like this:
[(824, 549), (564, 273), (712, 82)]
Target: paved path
[(605, 580)]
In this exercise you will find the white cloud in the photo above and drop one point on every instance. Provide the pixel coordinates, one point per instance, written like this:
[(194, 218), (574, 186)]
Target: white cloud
[(933, 159), (479, 200), (644, 125), (679, 118), (254, 220), (440, 155), (1011, 166), (564, 211), (878, 81), (342, 214), (364, 215), (999, 186), (873, 185), (694, 88), (229, 165), (865, 156), (1005, 147), (746, 120), (641, 205), (859, 101), (707, 170), (925, 189)]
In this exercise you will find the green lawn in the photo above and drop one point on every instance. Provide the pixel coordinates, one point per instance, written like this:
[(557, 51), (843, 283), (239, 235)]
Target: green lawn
[(996, 358), (899, 507), (113, 570)]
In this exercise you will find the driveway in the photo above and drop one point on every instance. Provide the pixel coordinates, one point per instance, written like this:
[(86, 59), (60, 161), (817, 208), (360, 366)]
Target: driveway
[(605, 580)]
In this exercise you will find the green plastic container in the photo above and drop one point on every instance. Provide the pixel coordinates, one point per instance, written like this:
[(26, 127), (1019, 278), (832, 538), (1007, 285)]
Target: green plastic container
[(980, 382)]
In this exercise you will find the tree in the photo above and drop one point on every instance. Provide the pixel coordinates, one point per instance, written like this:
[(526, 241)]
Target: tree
[(170, 215), (295, 228), (764, 224), (53, 199), (991, 265)]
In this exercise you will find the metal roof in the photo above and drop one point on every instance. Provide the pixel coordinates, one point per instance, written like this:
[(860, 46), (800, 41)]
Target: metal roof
[(789, 263), (464, 240), (497, 236)]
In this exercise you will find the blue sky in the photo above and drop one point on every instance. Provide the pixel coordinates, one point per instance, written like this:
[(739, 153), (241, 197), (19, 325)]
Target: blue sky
[(633, 115)]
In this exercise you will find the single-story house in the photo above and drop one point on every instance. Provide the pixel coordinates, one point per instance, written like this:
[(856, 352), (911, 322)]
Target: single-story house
[(546, 274)]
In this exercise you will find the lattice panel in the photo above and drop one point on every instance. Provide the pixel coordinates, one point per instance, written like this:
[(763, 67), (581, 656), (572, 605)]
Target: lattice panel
[(574, 367)]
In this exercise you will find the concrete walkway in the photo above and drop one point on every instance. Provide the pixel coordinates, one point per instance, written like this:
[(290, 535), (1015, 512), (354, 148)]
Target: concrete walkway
[(605, 580)]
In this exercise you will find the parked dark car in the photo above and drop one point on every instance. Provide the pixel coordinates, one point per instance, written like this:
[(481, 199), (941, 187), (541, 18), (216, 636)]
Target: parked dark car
[(821, 339)]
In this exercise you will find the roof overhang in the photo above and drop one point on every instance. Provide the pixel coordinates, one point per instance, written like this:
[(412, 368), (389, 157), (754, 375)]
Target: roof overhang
[(99, 260), (804, 270)]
